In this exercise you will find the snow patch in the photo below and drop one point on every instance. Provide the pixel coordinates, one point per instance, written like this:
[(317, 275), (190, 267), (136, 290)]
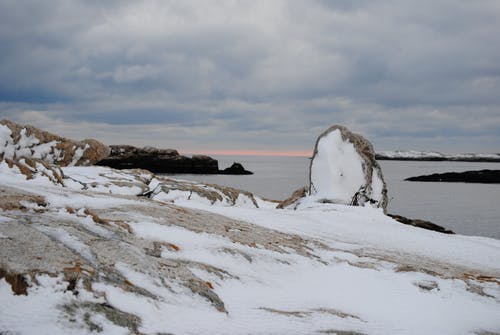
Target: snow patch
[(337, 170)]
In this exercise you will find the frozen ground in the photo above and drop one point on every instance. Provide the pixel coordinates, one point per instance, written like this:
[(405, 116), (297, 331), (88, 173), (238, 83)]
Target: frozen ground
[(120, 252)]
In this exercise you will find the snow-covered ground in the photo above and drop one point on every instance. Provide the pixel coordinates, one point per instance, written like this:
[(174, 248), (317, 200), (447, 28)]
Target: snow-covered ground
[(149, 259)]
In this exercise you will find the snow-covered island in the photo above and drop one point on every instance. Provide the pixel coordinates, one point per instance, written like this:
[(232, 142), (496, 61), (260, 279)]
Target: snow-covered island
[(413, 155), (89, 250)]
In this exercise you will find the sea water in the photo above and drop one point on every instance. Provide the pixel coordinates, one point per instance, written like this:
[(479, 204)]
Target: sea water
[(470, 209)]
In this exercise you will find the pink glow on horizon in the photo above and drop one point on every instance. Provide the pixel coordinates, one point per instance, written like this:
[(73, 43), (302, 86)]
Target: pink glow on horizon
[(251, 153)]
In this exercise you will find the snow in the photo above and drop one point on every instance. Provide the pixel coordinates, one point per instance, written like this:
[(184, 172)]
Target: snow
[(78, 154), (175, 196), (377, 186), (6, 142), (14, 176), (104, 180), (177, 191), (336, 170), (26, 146), (71, 242), (348, 281), (339, 174), (41, 312), (379, 301), (411, 154), (29, 146), (368, 229)]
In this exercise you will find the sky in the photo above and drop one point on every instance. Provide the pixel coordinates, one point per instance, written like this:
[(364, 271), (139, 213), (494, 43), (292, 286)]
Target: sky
[(255, 76)]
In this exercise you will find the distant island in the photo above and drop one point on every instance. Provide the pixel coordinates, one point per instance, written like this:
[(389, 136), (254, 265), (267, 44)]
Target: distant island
[(481, 176), (413, 155)]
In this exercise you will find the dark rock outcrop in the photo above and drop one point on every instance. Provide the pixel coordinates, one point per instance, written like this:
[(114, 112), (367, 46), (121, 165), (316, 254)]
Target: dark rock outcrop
[(481, 176), (158, 160), (421, 224), (165, 161), (236, 168)]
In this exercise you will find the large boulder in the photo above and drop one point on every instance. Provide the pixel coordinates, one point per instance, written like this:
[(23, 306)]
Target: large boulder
[(343, 170), (24, 141)]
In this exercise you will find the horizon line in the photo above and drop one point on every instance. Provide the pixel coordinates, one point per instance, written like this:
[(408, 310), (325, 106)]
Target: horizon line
[(250, 153)]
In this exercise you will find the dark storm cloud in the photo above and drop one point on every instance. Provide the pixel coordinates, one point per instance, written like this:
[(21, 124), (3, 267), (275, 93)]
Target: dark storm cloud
[(271, 74)]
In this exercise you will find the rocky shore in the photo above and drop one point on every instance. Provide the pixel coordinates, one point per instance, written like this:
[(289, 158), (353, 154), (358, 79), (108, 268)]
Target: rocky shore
[(28, 141), (88, 249)]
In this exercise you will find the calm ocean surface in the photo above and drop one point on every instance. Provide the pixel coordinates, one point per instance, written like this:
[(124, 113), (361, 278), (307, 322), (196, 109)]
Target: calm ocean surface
[(470, 209)]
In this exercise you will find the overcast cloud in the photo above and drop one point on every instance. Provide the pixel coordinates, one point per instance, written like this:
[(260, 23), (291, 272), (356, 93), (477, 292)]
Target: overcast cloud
[(263, 75)]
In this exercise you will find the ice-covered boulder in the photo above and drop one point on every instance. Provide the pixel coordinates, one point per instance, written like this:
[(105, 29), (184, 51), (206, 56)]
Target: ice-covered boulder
[(18, 141), (343, 170)]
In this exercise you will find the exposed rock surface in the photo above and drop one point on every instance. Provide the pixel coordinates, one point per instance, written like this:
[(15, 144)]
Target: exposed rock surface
[(18, 141), (294, 199), (235, 168), (480, 176), (421, 224)]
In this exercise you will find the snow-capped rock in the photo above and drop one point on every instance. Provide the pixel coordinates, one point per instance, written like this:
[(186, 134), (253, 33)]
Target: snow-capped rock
[(343, 170), (17, 141)]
